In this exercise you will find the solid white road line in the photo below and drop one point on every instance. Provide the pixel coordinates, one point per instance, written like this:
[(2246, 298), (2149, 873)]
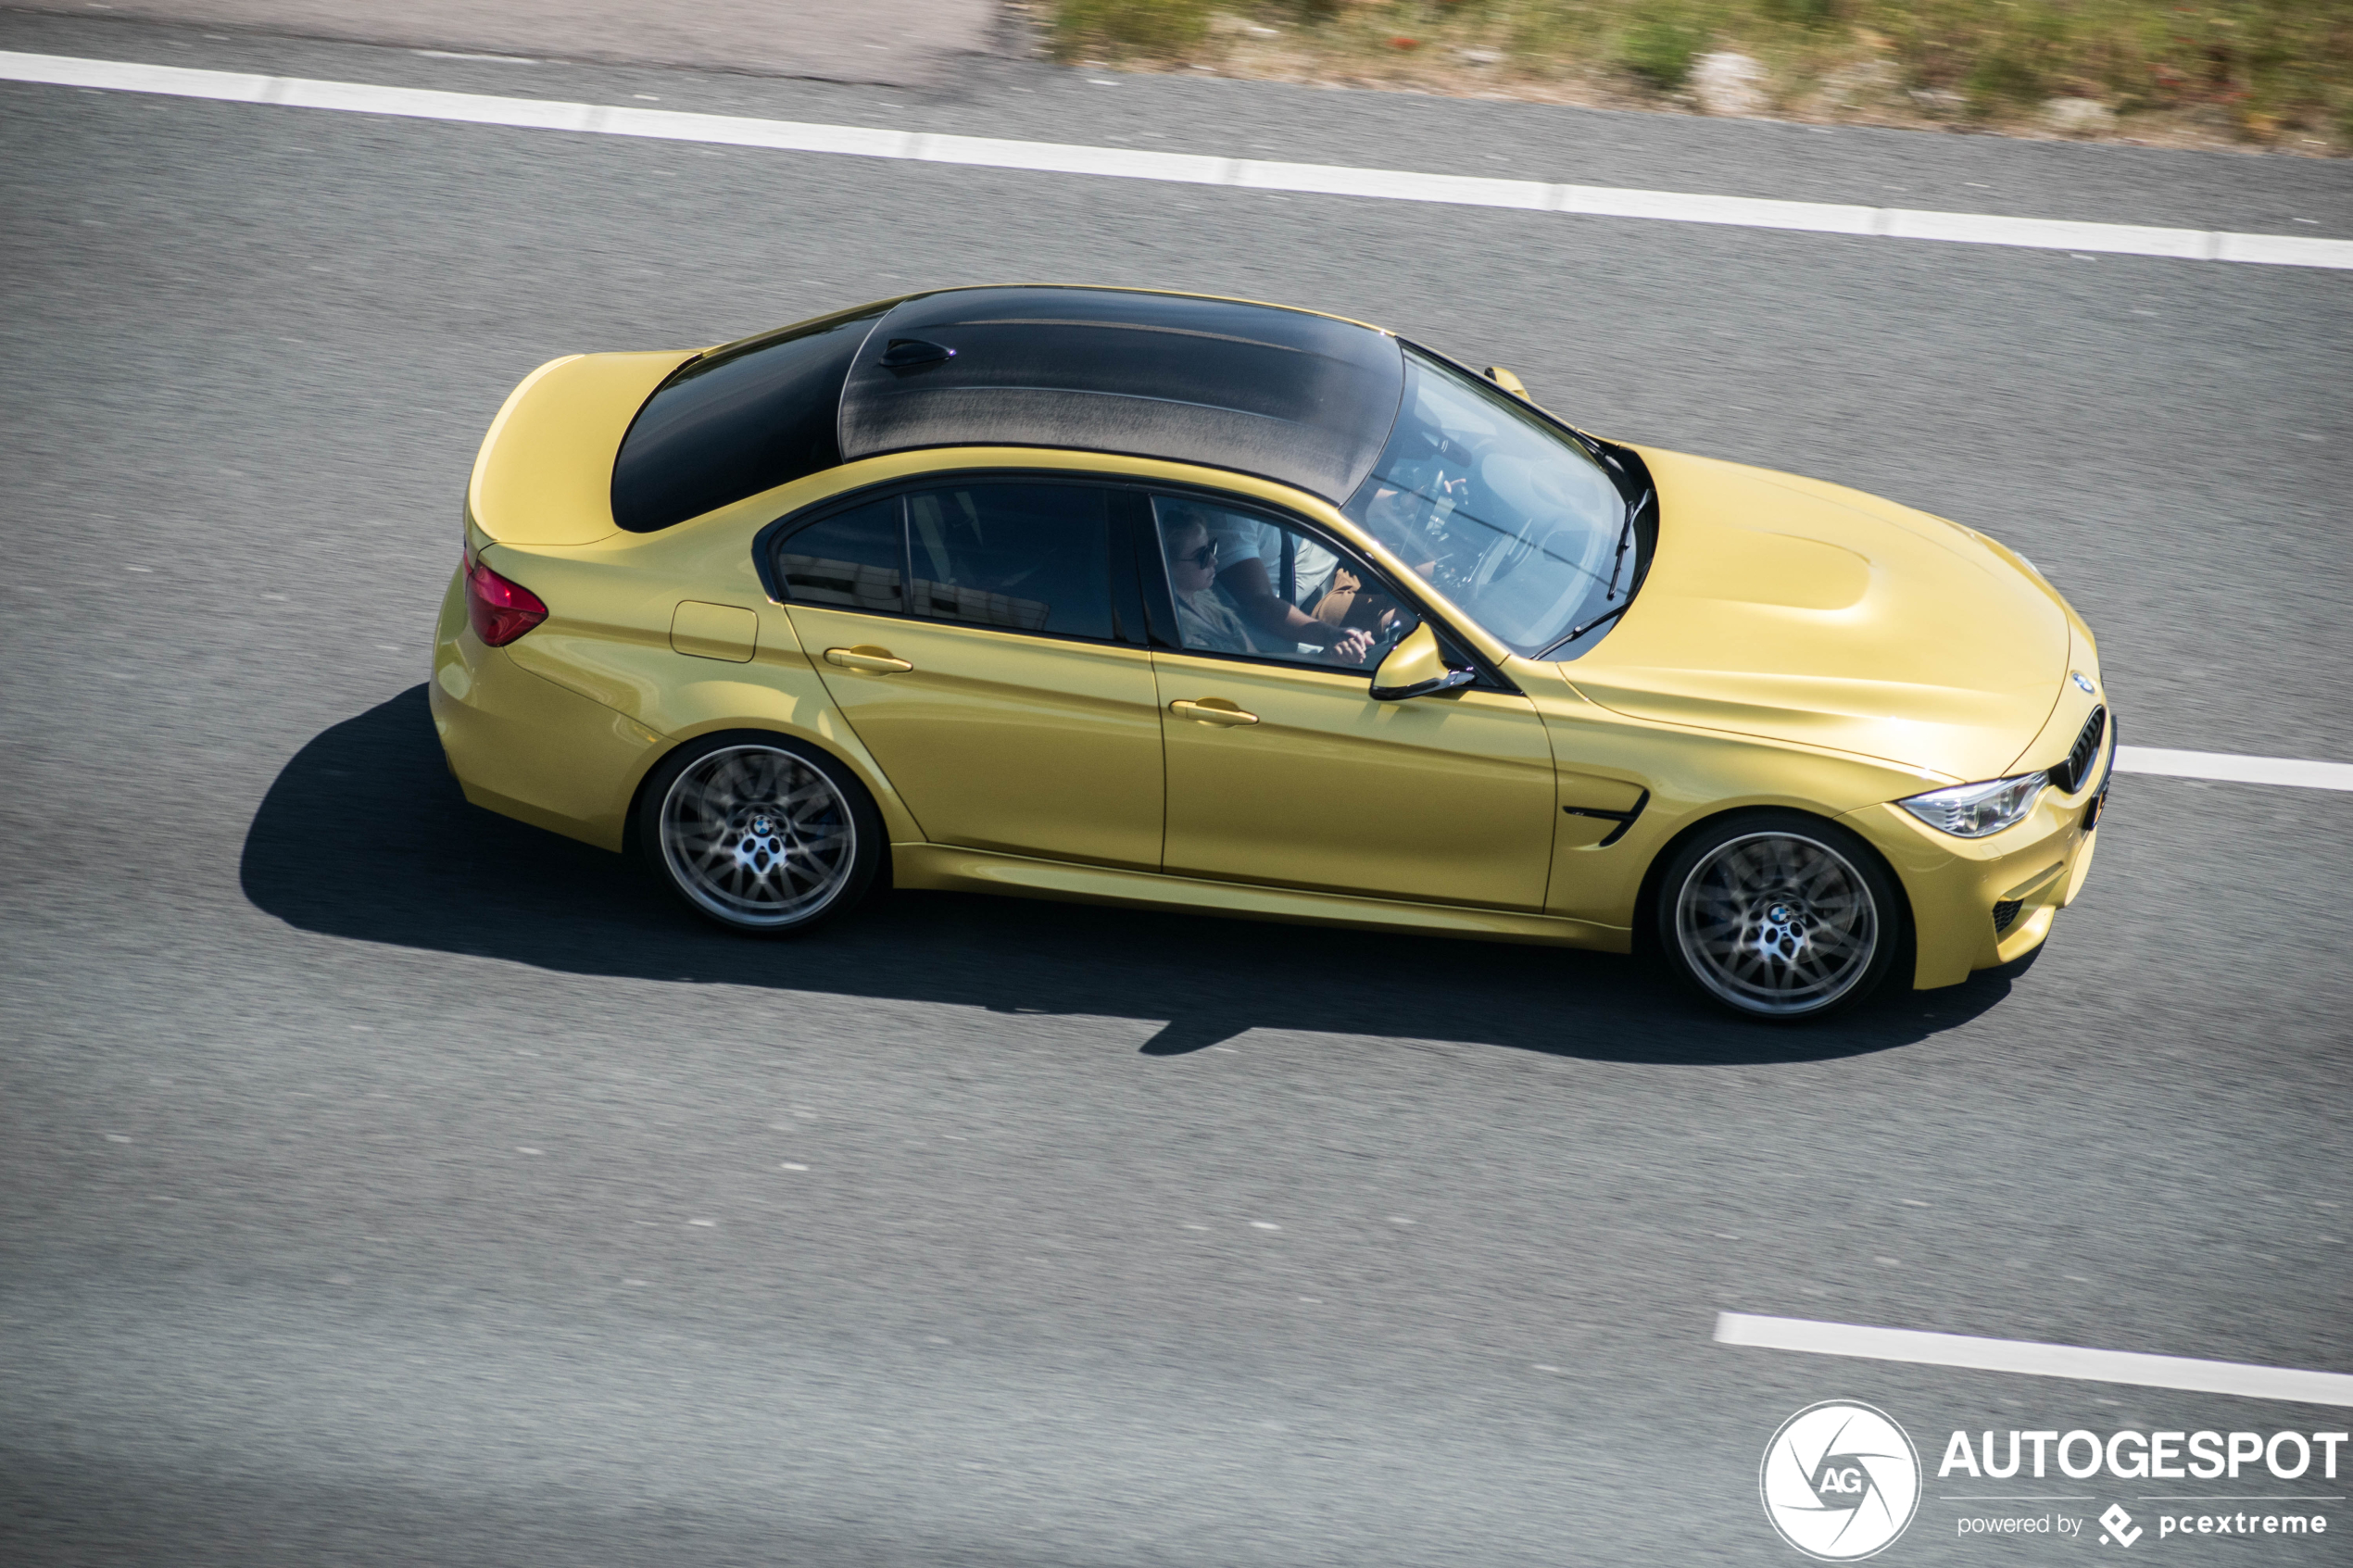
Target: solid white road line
[(1253, 174), (2232, 769), (2034, 1361), (1059, 157)]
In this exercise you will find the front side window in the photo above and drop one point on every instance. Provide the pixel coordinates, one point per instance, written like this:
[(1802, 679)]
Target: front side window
[(1507, 516), (1244, 582)]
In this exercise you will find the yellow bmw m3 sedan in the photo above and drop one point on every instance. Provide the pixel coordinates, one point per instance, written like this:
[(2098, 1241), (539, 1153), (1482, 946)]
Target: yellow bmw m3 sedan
[(1174, 601)]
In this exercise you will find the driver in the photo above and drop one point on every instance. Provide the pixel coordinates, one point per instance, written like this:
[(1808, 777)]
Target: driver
[(1398, 518)]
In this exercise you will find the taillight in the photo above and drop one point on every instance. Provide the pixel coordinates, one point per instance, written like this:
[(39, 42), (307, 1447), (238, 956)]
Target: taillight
[(500, 610)]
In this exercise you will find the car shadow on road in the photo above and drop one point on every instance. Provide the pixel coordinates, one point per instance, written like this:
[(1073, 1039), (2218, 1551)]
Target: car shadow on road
[(365, 835)]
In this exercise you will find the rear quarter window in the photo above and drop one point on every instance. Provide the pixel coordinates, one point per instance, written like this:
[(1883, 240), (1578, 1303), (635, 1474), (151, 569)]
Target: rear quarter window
[(850, 560), (746, 417)]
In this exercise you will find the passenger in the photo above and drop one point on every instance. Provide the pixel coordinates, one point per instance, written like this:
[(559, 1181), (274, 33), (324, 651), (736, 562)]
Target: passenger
[(1249, 558), (1202, 620)]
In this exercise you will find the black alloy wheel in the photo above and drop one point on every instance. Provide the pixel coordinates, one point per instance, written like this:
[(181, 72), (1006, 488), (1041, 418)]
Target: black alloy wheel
[(759, 833), (1778, 916)]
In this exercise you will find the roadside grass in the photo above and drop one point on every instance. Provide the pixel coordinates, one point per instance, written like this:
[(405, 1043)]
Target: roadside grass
[(2261, 72)]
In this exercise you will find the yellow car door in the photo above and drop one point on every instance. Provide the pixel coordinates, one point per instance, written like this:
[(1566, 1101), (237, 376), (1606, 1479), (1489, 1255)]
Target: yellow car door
[(1283, 768), (968, 633)]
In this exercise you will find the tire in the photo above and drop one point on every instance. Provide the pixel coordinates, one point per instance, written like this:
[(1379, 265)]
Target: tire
[(759, 833), (1778, 916)]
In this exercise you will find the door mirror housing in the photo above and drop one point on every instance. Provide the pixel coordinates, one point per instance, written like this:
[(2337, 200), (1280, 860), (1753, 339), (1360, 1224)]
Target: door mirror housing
[(1508, 382), (1417, 667)]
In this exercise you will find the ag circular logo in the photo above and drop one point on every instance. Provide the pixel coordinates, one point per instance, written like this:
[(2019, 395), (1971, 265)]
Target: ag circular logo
[(1840, 1481)]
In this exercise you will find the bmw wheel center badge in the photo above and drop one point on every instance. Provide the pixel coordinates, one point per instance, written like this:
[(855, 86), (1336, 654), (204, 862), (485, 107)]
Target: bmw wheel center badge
[(1841, 1480)]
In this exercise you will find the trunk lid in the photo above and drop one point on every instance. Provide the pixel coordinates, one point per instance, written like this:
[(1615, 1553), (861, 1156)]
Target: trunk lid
[(544, 475)]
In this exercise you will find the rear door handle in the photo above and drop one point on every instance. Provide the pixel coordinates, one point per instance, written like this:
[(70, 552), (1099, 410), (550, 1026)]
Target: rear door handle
[(866, 656), (1212, 710)]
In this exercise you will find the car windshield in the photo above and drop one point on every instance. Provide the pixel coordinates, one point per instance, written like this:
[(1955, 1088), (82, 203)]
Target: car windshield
[(1504, 513)]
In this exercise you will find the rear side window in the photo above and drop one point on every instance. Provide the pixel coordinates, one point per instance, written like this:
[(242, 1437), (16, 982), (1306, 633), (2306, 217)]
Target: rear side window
[(748, 418), (850, 560), (1028, 557), (1007, 555)]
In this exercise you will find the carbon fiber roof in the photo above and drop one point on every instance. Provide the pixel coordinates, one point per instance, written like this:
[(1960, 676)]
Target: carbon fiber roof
[(1298, 397)]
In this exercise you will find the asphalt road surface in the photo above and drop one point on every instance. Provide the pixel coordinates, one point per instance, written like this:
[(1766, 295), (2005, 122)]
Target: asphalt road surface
[(905, 41), (381, 1181)]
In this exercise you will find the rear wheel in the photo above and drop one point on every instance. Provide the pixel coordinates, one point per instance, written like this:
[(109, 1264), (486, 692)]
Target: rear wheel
[(1780, 916), (759, 833)]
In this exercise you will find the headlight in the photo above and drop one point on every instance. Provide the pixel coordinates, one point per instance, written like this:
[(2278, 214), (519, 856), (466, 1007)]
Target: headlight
[(1975, 809)]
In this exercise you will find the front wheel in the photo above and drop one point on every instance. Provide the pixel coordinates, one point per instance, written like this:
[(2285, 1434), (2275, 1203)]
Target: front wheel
[(761, 833), (1778, 916)]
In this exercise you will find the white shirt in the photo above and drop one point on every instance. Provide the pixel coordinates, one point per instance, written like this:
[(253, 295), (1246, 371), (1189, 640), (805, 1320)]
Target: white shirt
[(1241, 538)]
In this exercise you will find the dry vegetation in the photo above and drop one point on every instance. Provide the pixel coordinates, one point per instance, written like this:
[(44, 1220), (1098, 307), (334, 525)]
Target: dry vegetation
[(2272, 73)]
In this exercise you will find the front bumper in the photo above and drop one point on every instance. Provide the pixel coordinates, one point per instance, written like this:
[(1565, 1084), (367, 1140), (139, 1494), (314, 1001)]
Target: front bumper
[(1979, 903)]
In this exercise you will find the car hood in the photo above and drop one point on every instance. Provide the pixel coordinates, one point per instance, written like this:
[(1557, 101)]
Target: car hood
[(1801, 611)]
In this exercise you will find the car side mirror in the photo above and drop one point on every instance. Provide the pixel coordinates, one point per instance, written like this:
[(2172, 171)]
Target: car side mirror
[(1508, 382), (1417, 667)]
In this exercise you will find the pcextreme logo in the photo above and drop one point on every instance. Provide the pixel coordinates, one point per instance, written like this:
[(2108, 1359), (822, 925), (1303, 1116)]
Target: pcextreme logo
[(1841, 1480)]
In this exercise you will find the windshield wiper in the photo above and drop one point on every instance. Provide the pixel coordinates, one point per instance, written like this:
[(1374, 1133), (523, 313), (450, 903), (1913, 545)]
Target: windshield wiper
[(1604, 619), (1625, 538)]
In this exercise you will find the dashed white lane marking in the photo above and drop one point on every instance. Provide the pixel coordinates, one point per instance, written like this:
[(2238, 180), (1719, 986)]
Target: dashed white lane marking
[(2234, 769), (2034, 1361), (1193, 168)]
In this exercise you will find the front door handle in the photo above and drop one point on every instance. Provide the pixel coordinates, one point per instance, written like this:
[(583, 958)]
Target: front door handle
[(866, 656), (1212, 710)]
